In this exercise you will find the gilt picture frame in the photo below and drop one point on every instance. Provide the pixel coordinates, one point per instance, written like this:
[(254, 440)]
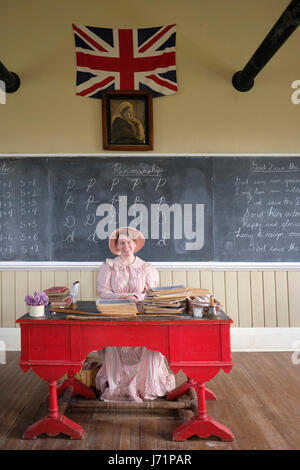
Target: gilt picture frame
[(127, 120)]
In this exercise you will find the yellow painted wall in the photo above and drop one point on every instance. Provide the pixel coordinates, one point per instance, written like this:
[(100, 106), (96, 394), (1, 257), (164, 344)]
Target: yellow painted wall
[(215, 38)]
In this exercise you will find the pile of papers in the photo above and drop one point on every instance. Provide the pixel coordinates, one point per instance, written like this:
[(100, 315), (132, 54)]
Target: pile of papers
[(117, 308), (168, 299)]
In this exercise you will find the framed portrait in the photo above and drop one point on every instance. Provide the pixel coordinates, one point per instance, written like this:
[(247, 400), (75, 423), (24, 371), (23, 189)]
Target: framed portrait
[(127, 120)]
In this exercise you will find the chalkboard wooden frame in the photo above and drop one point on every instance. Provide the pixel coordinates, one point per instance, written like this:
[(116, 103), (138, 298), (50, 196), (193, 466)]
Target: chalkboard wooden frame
[(142, 101)]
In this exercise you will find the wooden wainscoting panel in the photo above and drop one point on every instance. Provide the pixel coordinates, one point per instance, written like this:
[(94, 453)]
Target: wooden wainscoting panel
[(47, 279), (251, 299), (86, 286), (95, 291), (165, 278), (60, 278), (8, 299), (193, 278), (232, 307), (219, 288), (257, 298), (179, 278), (206, 280), (269, 298), (282, 299), (21, 290), (294, 297), (34, 281), (244, 299)]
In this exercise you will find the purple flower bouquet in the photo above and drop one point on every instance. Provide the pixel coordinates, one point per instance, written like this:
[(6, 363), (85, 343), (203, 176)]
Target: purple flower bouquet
[(38, 298)]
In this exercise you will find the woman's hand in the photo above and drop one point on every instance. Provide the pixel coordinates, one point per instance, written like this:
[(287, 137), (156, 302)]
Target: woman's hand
[(129, 297)]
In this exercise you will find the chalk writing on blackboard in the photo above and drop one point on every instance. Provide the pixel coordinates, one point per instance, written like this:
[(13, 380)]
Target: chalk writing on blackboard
[(265, 210), (189, 208), (139, 215)]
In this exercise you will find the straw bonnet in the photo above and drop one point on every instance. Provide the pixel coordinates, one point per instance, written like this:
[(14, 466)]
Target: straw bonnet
[(136, 236)]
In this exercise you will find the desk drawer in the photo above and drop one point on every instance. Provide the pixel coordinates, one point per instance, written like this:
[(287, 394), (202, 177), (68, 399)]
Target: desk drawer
[(196, 343), (48, 342), (94, 337)]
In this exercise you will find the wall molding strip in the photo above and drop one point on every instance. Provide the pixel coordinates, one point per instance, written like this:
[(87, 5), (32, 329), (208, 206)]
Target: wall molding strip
[(93, 266)]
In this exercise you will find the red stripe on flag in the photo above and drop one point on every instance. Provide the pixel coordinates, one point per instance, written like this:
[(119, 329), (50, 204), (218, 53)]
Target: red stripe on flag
[(161, 82), (88, 39), (155, 38), (96, 86), (126, 64)]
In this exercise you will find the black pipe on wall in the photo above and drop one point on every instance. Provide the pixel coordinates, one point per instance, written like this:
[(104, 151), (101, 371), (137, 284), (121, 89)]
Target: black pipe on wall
[(283, 28), (11, 79)]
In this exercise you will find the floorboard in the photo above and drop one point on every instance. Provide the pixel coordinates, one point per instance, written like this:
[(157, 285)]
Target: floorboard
[(258, 400)]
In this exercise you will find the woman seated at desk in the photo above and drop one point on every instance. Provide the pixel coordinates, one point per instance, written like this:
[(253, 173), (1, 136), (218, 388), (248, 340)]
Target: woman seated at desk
[(130, 373)]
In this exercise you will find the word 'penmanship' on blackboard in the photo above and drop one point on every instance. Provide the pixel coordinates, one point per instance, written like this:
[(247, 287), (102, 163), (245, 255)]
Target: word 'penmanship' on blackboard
[(153, 221)]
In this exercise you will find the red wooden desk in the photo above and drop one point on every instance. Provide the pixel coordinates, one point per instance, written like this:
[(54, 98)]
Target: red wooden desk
[(53, 346)]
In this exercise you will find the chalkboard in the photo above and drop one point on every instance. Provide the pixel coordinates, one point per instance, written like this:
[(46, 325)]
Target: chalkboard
[(25, 225), (190, 209), (257, 209)]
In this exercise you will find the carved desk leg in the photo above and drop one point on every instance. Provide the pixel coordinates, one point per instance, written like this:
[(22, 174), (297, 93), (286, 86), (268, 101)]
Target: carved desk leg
[(209, 395), (79, 387), (54, 423), (201, 425)]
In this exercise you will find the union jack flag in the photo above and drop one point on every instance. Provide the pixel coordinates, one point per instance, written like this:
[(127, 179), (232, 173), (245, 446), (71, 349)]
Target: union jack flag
[(125, 59)]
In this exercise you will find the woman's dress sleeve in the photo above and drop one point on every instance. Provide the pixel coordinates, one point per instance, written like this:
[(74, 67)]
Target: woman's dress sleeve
[(151, 280), (152, 277), (104, 283)]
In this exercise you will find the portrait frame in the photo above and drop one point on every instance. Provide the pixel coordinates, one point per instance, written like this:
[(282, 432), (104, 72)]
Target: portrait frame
[(127, 120)]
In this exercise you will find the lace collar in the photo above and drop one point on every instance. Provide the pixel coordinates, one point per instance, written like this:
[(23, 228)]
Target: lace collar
[(118, 264)]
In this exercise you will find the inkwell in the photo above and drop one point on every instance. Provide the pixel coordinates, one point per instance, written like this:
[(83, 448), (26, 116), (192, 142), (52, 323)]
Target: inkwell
[(212, 312), (74, 294)]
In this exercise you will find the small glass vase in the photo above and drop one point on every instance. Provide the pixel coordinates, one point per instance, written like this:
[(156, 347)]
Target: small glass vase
[(36, 310)]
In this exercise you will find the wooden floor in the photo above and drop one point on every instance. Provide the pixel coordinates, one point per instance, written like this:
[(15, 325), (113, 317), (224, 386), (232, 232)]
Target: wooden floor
[(259, 400)]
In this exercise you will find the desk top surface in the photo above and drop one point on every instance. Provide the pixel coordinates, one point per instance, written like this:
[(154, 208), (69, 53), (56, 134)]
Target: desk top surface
[(89, 307)]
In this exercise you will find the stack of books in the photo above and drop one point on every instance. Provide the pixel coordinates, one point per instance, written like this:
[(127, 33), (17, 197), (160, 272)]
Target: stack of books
[(168, 299), (59, 296), (117, 307)]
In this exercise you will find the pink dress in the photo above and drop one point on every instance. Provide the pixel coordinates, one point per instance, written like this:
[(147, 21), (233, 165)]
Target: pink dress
[(130, 373)]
